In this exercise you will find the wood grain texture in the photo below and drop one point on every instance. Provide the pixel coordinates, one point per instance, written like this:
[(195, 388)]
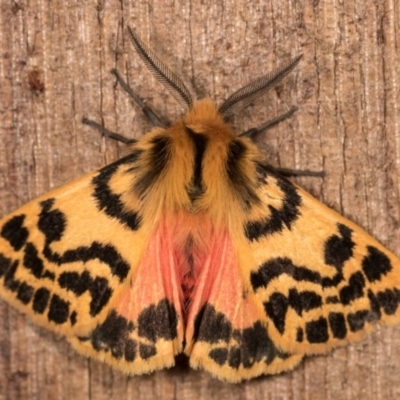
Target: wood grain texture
[(55, 59)]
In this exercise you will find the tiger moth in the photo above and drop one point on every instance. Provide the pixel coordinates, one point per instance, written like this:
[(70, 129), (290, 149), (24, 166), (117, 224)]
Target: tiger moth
[(194, 244)]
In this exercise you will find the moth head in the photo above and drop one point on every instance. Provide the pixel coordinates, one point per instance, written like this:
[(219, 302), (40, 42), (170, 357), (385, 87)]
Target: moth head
[(235, 102)]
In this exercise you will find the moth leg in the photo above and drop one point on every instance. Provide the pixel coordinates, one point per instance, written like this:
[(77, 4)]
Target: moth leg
[(251, 133), (287, 172), (150, 114), (106, 132)]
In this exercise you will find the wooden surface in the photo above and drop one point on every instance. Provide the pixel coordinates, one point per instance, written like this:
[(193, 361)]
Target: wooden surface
[(55, 58)]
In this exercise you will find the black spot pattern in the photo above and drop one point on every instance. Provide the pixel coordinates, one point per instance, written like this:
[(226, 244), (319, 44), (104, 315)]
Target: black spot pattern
[(389, 300), (374, 305), (196, 187), (31, 257), (219, 355), (9, 277), (130, 350), (338, 249), (158, 157), (14, 232), (354, 290), (278, 304), (52, 223), (25, 293), (73, 318), (335, 255), (41, 300), (357, 319), (58, 310), (275, 267), (317, 331), (32, 261), (237, 152), (236, 348), (332, 300), (304, 300), (48, 275), (375, 264), (147, 351), (109, 202), (276, 308), (98, 288), (114, 335), (337, 324), (5, 264), (104, 253), (262, 173), (299, 335), (158, 322), (211, 326), (234, 357), (279, 219)]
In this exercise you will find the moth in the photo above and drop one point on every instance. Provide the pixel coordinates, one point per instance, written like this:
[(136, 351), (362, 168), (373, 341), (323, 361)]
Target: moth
[(193, 244)]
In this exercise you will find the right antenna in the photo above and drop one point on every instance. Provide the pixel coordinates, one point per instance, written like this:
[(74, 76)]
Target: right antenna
[(244, 96)]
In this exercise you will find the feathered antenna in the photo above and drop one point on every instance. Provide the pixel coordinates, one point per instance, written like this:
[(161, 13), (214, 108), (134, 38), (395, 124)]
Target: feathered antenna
[(244, 96), (161, 72)]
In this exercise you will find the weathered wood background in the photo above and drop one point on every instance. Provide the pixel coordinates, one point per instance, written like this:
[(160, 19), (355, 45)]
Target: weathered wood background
[(55, 58)]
